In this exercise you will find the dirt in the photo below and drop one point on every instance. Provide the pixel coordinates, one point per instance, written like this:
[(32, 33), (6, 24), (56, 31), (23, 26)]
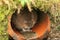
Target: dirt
[(55, 30)]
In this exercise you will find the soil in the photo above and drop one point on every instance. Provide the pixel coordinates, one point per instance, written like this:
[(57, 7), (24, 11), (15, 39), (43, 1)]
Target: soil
[(55, 30)]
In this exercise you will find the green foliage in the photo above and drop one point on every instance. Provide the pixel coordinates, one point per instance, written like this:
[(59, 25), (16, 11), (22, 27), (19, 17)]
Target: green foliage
[(1, 17), (58, 27), (4, 11), (23, 2)]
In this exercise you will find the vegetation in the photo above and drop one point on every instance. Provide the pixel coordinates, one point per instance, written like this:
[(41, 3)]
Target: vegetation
[(52, 7)]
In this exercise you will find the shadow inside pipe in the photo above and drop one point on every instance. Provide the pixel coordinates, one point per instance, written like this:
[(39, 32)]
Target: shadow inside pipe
[(40, 16)]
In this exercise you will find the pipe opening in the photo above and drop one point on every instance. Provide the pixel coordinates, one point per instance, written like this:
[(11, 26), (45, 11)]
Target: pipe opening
[(25, 20)]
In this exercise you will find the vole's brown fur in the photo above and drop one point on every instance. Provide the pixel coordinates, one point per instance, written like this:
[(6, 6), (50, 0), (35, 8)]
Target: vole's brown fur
[(24, 20)]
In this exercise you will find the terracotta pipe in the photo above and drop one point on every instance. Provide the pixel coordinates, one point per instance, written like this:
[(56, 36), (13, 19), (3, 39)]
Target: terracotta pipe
[(41, 28)]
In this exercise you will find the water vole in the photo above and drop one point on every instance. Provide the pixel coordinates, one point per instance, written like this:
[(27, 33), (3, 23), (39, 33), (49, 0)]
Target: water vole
[(24, 20)]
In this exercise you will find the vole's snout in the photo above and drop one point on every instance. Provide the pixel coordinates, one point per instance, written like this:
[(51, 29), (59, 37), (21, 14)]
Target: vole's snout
[(28, 24), (27, 29)]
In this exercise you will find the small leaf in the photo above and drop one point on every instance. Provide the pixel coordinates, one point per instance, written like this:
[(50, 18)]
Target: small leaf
[(2, 16), (58, 27), (23, 3)]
